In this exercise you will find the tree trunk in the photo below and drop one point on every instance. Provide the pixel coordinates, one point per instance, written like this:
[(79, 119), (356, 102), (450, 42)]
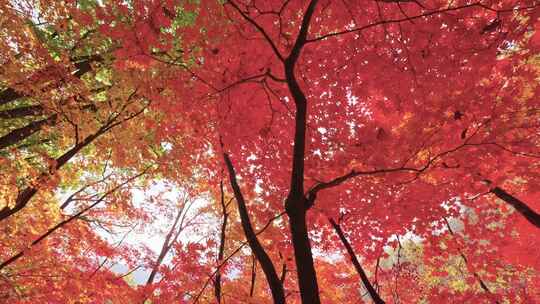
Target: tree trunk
[(270, 273), (296, 203), (307, 277), (165, 248), (221, 252)]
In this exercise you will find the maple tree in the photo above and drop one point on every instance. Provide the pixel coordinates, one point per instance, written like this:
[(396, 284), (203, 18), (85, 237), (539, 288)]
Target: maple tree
[(64, 112), (379, 151)]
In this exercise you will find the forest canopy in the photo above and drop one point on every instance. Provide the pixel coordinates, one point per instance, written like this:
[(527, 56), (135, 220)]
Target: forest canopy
[(257, 151)]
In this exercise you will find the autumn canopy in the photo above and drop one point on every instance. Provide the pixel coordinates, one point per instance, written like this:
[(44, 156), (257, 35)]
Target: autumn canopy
[(246, 151)]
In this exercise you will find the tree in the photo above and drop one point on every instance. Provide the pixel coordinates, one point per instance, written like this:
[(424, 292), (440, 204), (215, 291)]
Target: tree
[(78, 108), (376, 151), (67, 117), (375, 100)]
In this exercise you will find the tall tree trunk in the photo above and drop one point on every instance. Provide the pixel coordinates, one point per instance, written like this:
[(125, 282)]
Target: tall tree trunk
[(272, 278), (365, 280), (296, 203), (305, 269), (221, 251)]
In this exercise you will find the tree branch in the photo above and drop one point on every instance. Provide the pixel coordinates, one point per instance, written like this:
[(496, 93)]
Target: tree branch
[(25, 195), (225, 260), (18, 135), (266, 263), (71, 218), (259, 28), (365, 280), (462, 255), (411, 18), (21, 112)]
